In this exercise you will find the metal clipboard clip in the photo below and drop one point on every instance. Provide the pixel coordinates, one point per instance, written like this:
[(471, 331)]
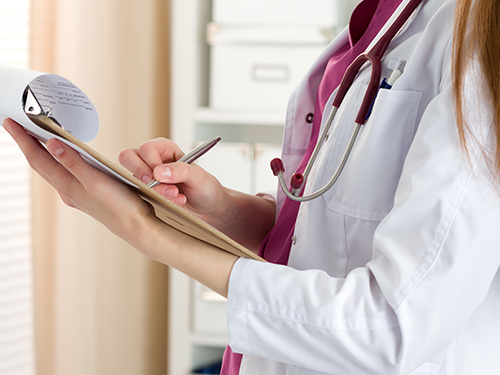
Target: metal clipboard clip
[(32, 106)]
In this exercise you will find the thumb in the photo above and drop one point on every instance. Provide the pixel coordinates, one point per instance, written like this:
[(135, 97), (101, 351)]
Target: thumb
[(179, 173)]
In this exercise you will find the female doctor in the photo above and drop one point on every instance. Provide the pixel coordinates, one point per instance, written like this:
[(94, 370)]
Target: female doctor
[(394, 270)]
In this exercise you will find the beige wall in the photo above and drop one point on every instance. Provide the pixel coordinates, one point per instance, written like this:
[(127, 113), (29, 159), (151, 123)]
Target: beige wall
[(100, 306)]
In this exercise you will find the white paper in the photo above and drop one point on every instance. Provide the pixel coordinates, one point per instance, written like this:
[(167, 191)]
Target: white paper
[(64, 100)]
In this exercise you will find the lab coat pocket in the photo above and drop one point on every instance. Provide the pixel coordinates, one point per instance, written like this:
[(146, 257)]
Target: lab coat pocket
[(367, 185)]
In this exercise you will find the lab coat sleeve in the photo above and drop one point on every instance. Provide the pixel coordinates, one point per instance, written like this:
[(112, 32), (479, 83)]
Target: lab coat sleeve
[(434, 258)]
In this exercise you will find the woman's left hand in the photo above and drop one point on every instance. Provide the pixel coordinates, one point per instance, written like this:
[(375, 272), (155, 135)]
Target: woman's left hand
[(122, 211), (83, 187)]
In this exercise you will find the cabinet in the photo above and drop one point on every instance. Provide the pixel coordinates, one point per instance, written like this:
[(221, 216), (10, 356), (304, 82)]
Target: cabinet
[(209, 40)]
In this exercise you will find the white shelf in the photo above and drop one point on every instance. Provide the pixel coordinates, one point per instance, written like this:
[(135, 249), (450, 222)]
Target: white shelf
[(210, 340), (265, 117)]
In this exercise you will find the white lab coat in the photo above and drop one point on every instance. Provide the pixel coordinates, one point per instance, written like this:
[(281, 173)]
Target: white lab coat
[(395, 269)]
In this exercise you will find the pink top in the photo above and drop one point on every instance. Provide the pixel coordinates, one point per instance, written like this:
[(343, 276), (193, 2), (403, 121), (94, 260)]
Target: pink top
[(365, 23)]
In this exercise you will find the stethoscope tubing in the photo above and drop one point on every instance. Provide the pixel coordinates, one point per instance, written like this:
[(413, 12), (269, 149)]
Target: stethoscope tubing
[(374, 57), (325, 134), (332, 181)]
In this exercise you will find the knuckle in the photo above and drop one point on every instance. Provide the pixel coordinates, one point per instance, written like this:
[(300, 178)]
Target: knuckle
[(150, 154), (94, 190), (128, 158), (69, 163), (66, 195), (195, 171), (189, 173), (158, 146), (31, 160), (182, 171), (161, 140), (67, 200), (144, 147), (125, 155), (167, 142), (147, 146)]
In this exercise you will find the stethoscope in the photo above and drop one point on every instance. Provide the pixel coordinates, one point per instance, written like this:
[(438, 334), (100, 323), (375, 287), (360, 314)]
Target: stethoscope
[(374, 56)]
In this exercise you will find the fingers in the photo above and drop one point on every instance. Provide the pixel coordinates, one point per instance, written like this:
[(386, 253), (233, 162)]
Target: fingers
[(72, 162), (131, 160), (159, 151), (190, 176), (36, 155), (172, 193), (150, 154), (61, 166), (180, 182), (82, 187)]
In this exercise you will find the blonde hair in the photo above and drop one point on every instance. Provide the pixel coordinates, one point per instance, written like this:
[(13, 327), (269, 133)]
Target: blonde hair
[(477, 35)]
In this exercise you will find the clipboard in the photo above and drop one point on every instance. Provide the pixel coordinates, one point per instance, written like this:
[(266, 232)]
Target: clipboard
[(165, 210), (41, 102)]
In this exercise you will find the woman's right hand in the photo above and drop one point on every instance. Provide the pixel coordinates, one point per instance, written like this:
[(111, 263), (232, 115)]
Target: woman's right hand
[(184, 184), (245, 218)]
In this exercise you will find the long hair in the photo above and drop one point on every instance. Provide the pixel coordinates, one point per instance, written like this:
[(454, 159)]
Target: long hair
[(477, 36)]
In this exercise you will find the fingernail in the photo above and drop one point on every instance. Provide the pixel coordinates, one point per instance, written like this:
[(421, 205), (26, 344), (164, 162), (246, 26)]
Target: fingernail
[(55, 148), (146, 179), (169, 192), (164, 173)]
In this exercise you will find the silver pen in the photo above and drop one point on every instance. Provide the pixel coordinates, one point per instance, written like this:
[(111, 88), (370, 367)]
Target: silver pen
[(192, 156)]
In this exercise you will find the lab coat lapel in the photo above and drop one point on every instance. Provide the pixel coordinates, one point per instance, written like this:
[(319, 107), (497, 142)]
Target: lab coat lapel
[(393, 18), (302, 100), (300, 104)]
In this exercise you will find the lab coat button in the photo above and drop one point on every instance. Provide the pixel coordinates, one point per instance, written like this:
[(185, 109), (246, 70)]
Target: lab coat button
[(294, 240), (310, 118)]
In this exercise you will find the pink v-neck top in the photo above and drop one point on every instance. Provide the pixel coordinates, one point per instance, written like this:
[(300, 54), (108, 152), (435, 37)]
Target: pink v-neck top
[(366, 21)]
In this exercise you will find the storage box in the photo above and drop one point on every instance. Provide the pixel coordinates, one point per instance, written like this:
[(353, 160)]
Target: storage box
[(278, 12), (258, 68)]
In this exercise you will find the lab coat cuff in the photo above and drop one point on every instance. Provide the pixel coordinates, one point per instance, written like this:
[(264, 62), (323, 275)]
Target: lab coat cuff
[(237, 315)]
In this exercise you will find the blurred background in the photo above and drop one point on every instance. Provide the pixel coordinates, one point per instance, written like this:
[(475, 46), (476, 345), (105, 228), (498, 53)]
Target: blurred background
[(74, 299)]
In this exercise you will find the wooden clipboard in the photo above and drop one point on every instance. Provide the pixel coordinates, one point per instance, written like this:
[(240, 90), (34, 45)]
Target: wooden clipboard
[(173, 215)]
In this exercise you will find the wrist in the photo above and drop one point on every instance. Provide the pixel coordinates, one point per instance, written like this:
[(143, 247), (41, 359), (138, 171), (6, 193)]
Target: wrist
[(248, 218), (145, 232), (197, 259)]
